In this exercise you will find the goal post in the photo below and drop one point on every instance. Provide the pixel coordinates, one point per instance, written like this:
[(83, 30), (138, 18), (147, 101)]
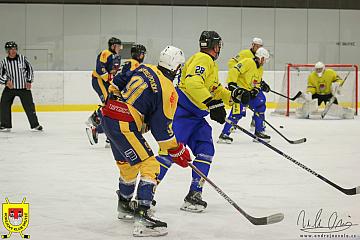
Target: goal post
[(295, 80)]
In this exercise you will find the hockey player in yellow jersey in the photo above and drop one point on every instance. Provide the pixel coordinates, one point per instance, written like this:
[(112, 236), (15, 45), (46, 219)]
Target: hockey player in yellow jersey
[(323, 84), (247, 74), (246, 53), (200, 93), (238, 111)]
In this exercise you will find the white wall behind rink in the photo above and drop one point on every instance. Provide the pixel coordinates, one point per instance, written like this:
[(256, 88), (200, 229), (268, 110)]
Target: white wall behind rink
[(74, 87)]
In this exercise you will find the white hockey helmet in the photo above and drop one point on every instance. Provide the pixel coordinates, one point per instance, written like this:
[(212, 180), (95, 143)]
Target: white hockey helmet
[(319, 68), (257, 41), (171, 57), (262, 53)]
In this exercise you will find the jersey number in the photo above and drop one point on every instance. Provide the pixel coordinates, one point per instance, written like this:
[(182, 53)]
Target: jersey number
[(199, 70), (134, 89)]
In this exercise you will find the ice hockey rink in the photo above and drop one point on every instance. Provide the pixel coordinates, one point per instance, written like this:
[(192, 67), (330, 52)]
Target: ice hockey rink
[(70, 185)]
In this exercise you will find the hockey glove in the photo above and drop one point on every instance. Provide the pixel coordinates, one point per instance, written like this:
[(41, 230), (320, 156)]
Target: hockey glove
[(264, 87), (240, 95), (232, 86), (180, 155), (254, 92), (217, 110)]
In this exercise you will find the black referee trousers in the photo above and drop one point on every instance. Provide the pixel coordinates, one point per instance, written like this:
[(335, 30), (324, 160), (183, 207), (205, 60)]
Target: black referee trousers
[(7, 99)]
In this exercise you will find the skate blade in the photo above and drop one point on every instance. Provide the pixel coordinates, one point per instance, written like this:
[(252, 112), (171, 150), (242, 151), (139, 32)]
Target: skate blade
[(5, 130), (223, 141), (188, 207), (90, 137), (88, 123), (141, 231), (126, 217)]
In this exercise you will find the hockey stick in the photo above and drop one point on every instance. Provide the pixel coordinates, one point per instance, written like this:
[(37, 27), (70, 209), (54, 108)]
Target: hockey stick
[(332, 99), (302, 140), (292, 99), (274, 218), (347, 191)]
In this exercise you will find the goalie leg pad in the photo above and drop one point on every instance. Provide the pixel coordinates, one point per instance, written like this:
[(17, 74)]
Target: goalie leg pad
[(307, 108), (340, 112)]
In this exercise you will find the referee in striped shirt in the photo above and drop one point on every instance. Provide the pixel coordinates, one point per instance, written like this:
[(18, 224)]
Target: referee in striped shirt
[(17, 74)]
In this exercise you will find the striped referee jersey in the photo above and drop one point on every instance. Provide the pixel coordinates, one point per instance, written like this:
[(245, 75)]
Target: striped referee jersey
[(17, 69)]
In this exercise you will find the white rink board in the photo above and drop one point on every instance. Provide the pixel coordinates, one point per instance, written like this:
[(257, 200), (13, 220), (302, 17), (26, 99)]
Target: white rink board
[(70, 185), (74, 87)]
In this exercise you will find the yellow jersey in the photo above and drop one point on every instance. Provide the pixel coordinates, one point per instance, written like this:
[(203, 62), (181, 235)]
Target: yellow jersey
[(199, 80), (322, 85), (245, 74)]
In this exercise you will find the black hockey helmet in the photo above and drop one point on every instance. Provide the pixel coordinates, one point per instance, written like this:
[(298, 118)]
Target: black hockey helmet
[(10, 45), (113, 41), (136, 51), (208, 39)]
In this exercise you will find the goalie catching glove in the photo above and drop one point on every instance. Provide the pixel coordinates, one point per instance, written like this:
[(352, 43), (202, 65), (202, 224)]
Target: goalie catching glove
[(180, 155)]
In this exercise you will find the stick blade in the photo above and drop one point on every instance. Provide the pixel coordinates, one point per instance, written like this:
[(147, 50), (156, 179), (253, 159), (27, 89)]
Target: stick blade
[(296, 96), (274, 218), (351, 191), (302, 140)]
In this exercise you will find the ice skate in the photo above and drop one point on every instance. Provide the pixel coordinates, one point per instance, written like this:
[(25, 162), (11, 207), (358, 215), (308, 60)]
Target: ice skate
[(125, 209), (93, 120), (4, 129), (92, 135), (262, 136), (193, 202), (107, 143), (223, 138), (38, 128), (151, 211), (147, 225)]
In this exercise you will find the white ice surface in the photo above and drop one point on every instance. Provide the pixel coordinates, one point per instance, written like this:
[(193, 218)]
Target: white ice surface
[(71, 185)]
